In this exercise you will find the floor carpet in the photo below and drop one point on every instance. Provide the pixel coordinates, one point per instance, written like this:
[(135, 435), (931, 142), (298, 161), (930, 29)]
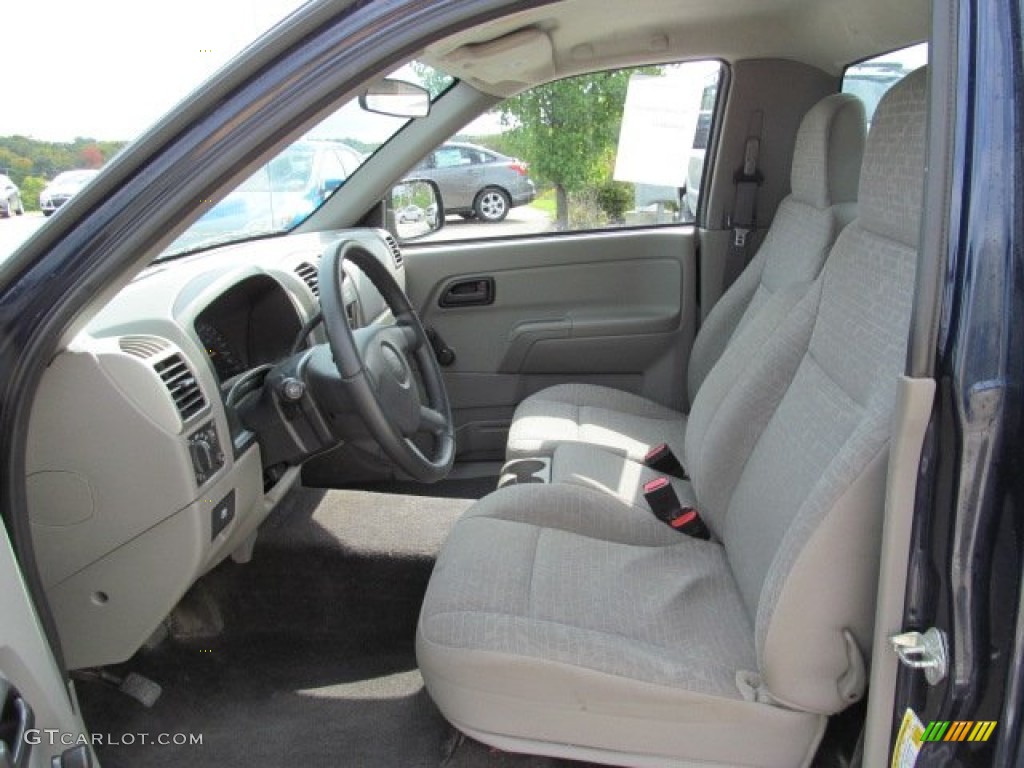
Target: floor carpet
[(303, 657)]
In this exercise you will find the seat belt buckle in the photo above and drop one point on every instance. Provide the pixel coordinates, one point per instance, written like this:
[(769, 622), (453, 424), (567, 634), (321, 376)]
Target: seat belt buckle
[(662, 499), (739, 237), (661, 459), (688, 521)]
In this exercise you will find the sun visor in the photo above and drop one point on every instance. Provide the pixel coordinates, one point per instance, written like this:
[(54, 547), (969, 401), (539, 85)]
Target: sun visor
[(504, 65)]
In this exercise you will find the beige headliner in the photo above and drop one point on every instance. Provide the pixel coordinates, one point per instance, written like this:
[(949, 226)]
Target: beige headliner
[(576, 36)]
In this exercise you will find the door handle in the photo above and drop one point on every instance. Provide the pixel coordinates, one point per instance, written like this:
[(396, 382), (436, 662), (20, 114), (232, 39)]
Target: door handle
[(16, 719), (468, 292)]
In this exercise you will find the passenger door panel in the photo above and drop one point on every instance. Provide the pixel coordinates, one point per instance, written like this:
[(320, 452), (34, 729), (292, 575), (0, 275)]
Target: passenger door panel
[(615, 308)]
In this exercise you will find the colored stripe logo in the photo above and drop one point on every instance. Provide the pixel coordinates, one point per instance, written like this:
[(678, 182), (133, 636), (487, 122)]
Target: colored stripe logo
[(959, 730)]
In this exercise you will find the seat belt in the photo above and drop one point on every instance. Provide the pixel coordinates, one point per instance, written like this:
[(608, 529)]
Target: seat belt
[(743, 220), (661, 459), (664, 503)]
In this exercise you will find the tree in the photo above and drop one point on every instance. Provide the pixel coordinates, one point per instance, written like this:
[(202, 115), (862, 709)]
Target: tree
[(22, 157), (31, 186), (435, 81), (565, 130), (91, 156)]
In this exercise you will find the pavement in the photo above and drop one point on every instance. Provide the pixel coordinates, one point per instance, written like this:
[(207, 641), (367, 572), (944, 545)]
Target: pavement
[(523, 220), (16, 230), (520, 221)]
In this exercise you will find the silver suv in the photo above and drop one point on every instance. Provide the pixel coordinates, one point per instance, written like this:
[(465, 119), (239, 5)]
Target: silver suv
[(10, 198), (65, 186), (476, 182)]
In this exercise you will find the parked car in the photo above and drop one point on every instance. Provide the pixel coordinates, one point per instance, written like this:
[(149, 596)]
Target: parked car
[(277, 196), (476, 182), (304, 176), (10, 197), (63, 187)]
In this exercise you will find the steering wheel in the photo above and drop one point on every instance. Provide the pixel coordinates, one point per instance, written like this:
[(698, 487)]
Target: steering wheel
[(375, 364)]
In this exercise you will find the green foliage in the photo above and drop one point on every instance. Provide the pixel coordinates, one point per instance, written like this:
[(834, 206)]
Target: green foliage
[(545, 201), (433, 80), (567, 130), (31, 186), (22, 157), (614, 198), (585, 212), (359, 145), (564, 129), (498, 142)]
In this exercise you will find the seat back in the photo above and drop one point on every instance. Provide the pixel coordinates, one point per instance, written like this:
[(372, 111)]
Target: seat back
[(823, 181), (789, 465)]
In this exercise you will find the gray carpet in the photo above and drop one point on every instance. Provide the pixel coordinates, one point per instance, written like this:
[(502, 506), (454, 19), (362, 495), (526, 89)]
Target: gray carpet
[(303, 657)]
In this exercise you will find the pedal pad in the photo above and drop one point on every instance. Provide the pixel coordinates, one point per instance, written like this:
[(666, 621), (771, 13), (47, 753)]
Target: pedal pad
[(142, 689)]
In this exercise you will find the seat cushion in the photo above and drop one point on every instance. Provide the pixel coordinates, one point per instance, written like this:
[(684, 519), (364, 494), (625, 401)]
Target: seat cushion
[(602, 470), (585, 413), (605, 628)]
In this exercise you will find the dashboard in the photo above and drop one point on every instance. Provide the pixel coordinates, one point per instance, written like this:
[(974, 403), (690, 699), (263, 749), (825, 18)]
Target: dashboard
[(137, 463), (250, 324)]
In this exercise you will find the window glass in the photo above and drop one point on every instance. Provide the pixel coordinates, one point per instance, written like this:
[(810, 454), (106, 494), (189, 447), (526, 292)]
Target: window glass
[(333, 168), (288, 189), (869, 80), (450, 157), (621, 148)]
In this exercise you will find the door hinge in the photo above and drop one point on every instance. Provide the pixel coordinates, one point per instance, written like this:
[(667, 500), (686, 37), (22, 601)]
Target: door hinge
[(928, 650)]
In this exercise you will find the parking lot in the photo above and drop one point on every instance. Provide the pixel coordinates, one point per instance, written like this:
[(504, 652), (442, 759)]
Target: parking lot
[(16, 230), (525, 220)]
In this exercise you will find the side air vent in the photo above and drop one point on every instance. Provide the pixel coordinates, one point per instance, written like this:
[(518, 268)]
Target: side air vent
[(182, 385), (310, 276), (142, 347), (396, 252)]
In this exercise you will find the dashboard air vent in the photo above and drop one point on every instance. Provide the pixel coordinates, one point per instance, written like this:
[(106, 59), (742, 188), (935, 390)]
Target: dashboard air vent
[(310, 276), (143, 347), (182, 385), (396, 252)]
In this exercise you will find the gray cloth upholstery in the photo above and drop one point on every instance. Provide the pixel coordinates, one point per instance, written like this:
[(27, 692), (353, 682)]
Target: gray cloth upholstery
[(591, 466), (558, 614), (583, 593), (582, 584), (824, 180), (594, 415)]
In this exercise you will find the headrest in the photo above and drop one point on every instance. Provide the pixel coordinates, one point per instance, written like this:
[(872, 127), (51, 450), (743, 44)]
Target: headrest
[(892, 180), (828, 152)]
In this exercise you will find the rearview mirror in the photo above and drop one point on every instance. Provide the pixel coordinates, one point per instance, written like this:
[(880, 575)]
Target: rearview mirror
[(397, 98), (415, 210)]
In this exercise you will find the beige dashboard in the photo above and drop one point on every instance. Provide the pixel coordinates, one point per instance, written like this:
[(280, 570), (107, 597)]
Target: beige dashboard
[(139, 479)]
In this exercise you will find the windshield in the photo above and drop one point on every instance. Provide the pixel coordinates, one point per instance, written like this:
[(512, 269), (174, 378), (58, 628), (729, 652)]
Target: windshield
[(288, 189)]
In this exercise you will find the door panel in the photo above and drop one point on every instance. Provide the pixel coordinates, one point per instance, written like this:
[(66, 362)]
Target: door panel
[(614, 308), (31, 688)]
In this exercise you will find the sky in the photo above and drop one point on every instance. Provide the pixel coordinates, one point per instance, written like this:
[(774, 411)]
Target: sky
[(108, 69)]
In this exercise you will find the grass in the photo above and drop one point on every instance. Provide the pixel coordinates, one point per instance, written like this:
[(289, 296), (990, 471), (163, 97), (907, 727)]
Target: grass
[(546, 202)]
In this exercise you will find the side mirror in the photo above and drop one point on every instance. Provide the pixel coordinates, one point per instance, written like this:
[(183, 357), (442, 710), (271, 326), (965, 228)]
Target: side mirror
[(415, 209), (397, 98)]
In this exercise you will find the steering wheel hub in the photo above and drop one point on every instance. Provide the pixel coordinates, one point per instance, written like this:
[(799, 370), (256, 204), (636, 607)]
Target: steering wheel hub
[(395, 364)]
